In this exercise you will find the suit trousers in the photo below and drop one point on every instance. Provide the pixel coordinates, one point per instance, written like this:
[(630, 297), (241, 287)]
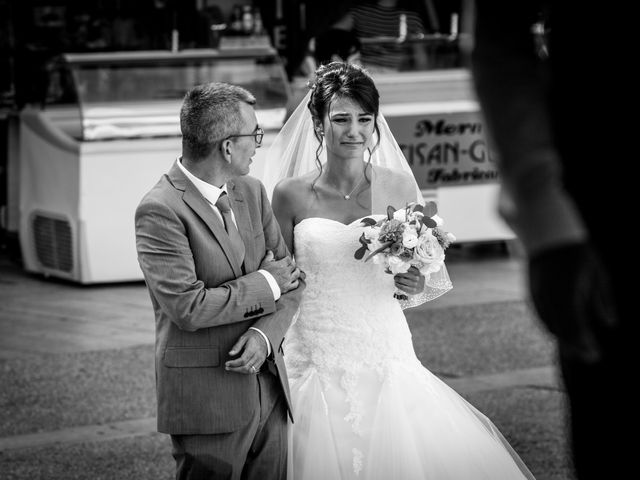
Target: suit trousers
[(257, 451)]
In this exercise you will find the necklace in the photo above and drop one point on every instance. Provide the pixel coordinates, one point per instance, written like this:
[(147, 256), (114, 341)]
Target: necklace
[(348, 195)]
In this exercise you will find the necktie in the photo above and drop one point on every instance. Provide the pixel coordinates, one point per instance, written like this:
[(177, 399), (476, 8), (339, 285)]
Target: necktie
[(230, 226)]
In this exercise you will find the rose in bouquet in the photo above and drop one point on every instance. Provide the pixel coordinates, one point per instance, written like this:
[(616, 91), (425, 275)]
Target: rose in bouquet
[(411, 236)]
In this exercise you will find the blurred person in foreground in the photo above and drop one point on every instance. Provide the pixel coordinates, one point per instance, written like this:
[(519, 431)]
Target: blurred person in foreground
[(224, 291), (551, 115)]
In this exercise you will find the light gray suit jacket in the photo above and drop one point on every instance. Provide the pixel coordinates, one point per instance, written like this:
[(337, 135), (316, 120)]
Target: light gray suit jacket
[(203, 302)]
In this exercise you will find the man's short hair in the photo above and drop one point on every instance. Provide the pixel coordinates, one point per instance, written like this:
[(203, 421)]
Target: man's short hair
[(211, 112)]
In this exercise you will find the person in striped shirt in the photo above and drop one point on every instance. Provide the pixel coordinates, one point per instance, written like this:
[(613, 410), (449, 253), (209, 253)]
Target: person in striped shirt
[(383, 27)]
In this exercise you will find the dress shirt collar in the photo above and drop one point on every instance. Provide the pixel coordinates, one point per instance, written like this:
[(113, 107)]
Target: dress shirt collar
[(210, 192)]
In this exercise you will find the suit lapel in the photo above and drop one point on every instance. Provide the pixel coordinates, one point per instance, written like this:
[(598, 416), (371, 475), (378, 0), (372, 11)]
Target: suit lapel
[(194, 199)]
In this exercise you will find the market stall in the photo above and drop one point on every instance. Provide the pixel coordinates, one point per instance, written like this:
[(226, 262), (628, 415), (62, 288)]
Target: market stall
[(106, 133)]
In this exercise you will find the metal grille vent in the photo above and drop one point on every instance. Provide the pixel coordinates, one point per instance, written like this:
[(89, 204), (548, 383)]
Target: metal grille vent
[(53, 243)]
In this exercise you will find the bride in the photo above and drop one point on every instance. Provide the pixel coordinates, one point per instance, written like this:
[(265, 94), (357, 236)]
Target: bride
[(364, 406)]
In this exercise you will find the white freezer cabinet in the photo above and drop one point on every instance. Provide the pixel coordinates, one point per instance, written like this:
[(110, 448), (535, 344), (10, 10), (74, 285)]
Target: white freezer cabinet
[(108, 130)]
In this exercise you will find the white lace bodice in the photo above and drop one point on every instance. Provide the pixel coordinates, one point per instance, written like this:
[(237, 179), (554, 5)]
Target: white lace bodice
[(348, 317)]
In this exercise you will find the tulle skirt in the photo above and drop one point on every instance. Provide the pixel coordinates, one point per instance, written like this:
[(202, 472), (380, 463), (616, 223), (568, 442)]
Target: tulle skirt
[(403, 423)]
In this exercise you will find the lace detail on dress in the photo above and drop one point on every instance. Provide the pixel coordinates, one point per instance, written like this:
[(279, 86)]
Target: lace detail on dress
[(357, 461), (356, 406)]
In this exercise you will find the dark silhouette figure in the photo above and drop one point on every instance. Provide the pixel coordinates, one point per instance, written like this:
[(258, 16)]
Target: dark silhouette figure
[(551, 97)]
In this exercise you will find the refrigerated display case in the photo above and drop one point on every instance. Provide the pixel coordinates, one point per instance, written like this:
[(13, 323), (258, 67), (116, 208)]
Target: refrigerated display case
[(108, 130)]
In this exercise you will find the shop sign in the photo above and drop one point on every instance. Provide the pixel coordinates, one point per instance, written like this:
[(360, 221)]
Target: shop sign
[(445, 149)]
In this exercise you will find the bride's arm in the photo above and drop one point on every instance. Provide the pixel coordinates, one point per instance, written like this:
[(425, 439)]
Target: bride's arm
[(283, 204)]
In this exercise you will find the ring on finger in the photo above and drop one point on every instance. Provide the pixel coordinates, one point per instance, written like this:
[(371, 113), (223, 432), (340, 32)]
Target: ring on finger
[(253, 369)]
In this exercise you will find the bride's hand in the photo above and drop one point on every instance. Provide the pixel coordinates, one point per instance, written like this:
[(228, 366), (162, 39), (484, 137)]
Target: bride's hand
[(411, 282)]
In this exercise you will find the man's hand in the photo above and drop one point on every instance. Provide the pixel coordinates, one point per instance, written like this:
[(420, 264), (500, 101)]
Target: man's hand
[(254, 353), (411, 282), (571, 292), (284, 271)]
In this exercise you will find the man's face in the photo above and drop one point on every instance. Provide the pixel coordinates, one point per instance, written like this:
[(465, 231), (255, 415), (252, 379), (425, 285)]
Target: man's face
[(244, 146)]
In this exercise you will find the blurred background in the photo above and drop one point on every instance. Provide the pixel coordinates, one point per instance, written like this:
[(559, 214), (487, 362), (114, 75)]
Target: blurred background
[(90, 94)]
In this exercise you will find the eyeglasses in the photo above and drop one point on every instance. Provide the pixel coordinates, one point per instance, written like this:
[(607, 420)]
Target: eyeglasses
[(257, 136)]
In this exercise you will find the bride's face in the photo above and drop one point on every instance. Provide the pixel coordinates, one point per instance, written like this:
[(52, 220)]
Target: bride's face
[(348, 129)]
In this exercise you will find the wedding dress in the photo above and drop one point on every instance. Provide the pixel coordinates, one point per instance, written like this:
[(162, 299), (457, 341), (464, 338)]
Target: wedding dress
[(364, 406)]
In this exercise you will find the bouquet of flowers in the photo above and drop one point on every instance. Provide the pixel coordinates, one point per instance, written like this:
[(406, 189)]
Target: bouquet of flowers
[(411, 236)]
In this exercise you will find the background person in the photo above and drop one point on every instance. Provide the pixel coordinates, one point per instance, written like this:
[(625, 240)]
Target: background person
[(332, 45), (368, 19)]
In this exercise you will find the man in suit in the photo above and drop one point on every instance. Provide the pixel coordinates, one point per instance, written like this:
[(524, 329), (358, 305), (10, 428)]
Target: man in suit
[(552, 110), (224, 291)]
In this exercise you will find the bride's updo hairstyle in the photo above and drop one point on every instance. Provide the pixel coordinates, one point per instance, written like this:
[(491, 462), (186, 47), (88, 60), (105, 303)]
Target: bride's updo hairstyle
[(342, 80)]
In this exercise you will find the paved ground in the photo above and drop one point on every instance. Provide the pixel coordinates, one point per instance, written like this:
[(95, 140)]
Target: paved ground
[(77, 384)]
